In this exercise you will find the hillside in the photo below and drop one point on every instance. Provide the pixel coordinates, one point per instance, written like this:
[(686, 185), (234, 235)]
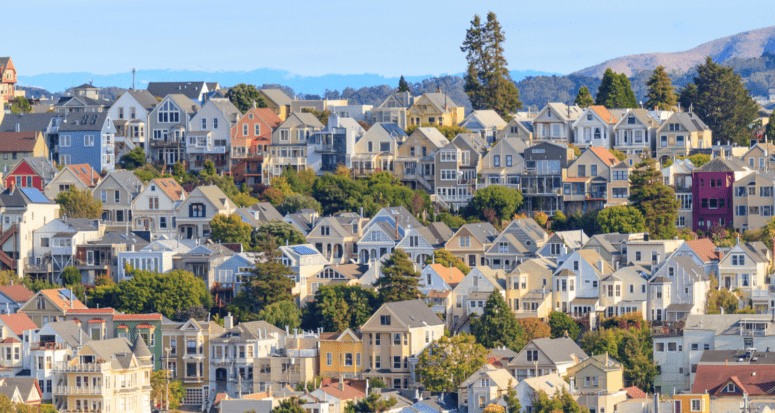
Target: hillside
[(742, 45)]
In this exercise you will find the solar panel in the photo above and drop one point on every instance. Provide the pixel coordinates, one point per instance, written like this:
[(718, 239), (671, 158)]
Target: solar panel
[(35, 195), (84, 171), (302, 250), (65, 293)]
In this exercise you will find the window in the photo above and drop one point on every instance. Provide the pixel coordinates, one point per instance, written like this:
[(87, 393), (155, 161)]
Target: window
[(348, 359), (163, 222), (204, 123), (465, 241), (738, 259), (508, 160), (637, 256), (64, 160), (496, 160), (659, 347), (396, 339), (396, 362), (532, 355), (593, 170), (620, 192), (621, 175), (64, 141), (117, 196), (582, 171), (153, 202), (215, 123), (44, 242), (695, 346), (377, 362), (696, 405), (88, 140), (384, 320)]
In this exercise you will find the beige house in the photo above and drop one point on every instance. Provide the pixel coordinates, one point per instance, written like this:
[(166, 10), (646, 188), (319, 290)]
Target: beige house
[(116, 192), (393, 110), (471, 241), (485, 123), (636, 132), (681, 133), (81, 176), (278, 101), (48, 306), (761, 156), (435, 109), (529, 288), (289, 145), (320, 105), (546, 356), (414, 164), (520, 240), (745, 267), (595, 127), (648, 253), (483, 388), (586, 184), (753, 200), (376, 150), (153, 209), (618, 191), (297, 362), (18, 145), (194, 214), (624, 291), (395, 333), (599, 383), (335, 238), (503, 164), (185, 357), (519, 128), (471, 294), (554, 123)]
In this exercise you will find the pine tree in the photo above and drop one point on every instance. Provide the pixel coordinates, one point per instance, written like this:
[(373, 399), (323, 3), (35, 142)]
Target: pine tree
[(498, 326), (627, 97), (723, 102), (661, 93), (769, 131), (688, 95), (615, 91), (511, 400), (403, 86), (584, 98), (655, 200), (400, 280)]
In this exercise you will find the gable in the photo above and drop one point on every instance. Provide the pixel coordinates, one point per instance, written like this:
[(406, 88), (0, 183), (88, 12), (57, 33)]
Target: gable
[(374, 321), (22, 169)]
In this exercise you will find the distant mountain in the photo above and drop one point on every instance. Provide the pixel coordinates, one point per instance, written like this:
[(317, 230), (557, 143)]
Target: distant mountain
[(58, 82), (742, 45)]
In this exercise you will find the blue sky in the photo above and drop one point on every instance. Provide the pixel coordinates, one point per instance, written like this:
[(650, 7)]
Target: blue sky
[(353, 37)]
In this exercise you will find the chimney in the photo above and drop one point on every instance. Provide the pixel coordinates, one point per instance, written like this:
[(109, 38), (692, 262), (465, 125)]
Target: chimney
[(341, 383), (572, 385), (601, 265), (228, 321), (80, 337), (18, 127)]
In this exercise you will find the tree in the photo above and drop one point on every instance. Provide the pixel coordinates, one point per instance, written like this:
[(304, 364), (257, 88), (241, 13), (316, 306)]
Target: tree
[(769, 131), (560, 323), (159, 390), (241, 307), (722, 101), (620, 218), (289, 405), (209, 168), (722, 298), (656, 201), (21, 105), (400, 280), (534, 328), (498, 326), (619, 155), (79, 204), (244, 96), (281, 314), (71, 276), (243, 200), (511, 400), (503, 200), (269, 283), (280, 231), (373, 403), (627, 97), (445, 258), (296, 202), (583, 98), (698, 159), (688, 95), (494, 408), (661, 93), (488, 82), (230, 229), (403, 86), (561, 401), (134, 159), (615, 91), (448, 362), (376, 383), (337, 307)]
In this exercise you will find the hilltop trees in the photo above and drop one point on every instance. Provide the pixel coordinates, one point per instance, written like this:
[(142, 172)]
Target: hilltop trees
[(584, 98), (488, 83), (660, 93), (243, 96), (403, 85), (615, 91)]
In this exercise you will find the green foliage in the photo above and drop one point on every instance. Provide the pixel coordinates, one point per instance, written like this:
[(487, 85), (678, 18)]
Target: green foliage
[(37, 284), (337, 307), (511, 400), (209, 168), (241, 308), (400, 280), (503, 200), (159, 389), (373, 403), (296, 202), (618, 154), (615, 91), (698, 159), (661, 92), (561, 401), (134, 159), (269, 283), (281, 314), (178, 170), (21, 105), (445, 258), (243, 96), (231, 229), (488, 82), (289, 405), (147, 172), (280, 231), (79, 204), (452, 221), (721, 298), (541, 218), (498, 326), (583, 98), (322, 116), (722, 101), (376, 383), (448, 362), (71, 276), (656, 201), (560, 322), (336, 193), (300, 182), (403, 85), (587, 222), (769, 131), (242, 199), (621, 218)]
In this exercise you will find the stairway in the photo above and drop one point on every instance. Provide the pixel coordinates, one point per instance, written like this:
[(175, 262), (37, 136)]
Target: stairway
[(4, 258)]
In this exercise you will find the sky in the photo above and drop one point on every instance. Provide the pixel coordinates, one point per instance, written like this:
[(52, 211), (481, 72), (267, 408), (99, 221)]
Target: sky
[(311, 38)]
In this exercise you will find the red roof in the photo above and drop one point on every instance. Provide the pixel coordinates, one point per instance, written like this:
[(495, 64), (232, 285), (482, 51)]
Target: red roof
[(604, 114), (77, 321), (55, 298), (451, 275), (171, 187), (18, 323), (576, 179), (704, 248), (96, 320), (130, 317), (256, 396), (144, 326), (106, 310), (346, 393), (18, 141), (18, 292), (85, 173), (756, 380), (219, 397), (123, 326), (634, 392), (605, 155), (10, 340)]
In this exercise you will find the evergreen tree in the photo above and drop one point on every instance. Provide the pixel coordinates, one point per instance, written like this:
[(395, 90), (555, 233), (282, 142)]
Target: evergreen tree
[(498, 326), (661, 93), (655, 200), (688, 95), (373, 403), (403, 85), (627, 97), (488, 82), (723, 102), (400, 280), (770, 130), (583, 98), (608, 90), (511, 400)]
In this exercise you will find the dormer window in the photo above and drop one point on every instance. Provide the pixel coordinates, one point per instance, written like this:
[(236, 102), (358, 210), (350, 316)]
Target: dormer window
[(631, 120), (589, 116), (731, 388)]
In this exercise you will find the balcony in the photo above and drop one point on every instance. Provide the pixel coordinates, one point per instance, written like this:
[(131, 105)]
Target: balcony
[(209, 149), (46, 345), (542, 191), (667, 329), (281, 160), (78, 390), (455, 198), (94, 265), (70, 367), (596, 195)]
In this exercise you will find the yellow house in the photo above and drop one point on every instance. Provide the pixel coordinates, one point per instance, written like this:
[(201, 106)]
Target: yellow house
[(435, 109), (278, 101), (694, 403), (341, 354), (529, 288), (599, 382)]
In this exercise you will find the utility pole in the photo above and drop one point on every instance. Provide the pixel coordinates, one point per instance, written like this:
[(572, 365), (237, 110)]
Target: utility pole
[(133, 78)]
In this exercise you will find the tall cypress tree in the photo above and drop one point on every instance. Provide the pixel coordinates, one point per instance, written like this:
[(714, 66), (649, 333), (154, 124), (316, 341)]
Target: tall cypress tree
[(584, 98), (661, 93), (627, 97), (609, 88), (655, 200), (400, 280), (498, 326), (403, 86)]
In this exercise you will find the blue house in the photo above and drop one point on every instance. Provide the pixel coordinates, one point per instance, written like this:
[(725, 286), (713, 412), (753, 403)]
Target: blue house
[(87, 137)]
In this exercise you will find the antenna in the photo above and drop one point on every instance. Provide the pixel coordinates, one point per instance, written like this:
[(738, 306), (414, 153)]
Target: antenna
[(91, 82), (133, 77)]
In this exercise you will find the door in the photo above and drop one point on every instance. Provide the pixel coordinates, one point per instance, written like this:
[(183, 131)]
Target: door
[(727, 282), (189, 232)]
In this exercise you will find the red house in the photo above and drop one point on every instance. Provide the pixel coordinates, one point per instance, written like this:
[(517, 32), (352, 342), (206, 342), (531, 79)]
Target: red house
[(249, 140), (30, 173), (8, 80)]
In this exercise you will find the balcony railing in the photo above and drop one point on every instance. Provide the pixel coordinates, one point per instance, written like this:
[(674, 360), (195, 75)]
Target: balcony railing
[(596, 195), (76, 390), (71, 367), (47, 345), (536, 191), (667, 329)]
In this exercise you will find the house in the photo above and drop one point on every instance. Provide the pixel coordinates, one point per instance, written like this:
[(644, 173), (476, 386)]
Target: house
[(13, 297), (333, 145), (520, 240), (334, 239), (47, 123), (624, 291), (599, 382), (209, 135), (316, 105), (340, 354), (304, 261), (636, 131), (760, 156), (435, 109), (54, 342), (12, 328), (376, 150), (681, 133), (231, 274), (648, 252), (745, 267), (302, 219), (194, 213), (250, 140), (153, 209), (529, 288), (486, 123), (470, 242), (712, 190), (747, 382), (753, 200), (289, 145), (97, 362), (394, 334), (168, 124), (503, 164), (22, 390), (116, 191), (436, 277), (339, 274), (577, 282), (588, 179), (543, 356), (50, 306), (87, 138), (679, 287), (30, 172), (297, 361), (703, 252), (277, 101), (130, 116), (82, 99), (541, 182), (393, 110), (554, 123), (419, 243), (23, 210), (456, 170), (529, 388), (144, 326), (98, 257), (562, 242), (679, 177), (7, 79), (594, 128), (340, 394), (484, 387), (520, 128), (383, 232), (471, 294), (196, 91), (358, 113), (156, 256), (80, 176), (202, 261), (414, 164), (54, 245), (17, 145), (181, 342), (95, 323)]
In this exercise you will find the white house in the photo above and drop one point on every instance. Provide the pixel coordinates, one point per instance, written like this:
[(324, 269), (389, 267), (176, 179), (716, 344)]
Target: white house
[(154, 208), (155, 257), (194, 213), (209, 136)]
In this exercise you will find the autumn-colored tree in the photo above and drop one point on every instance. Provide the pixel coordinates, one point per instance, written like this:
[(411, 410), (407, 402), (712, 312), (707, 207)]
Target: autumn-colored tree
[(534, 328)]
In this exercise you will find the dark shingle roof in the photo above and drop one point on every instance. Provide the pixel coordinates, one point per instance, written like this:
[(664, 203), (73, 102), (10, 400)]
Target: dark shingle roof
[(723, 165), (144, 98), (414, 313), (88, 121), (28, 121), (191, 90), (560, 349)]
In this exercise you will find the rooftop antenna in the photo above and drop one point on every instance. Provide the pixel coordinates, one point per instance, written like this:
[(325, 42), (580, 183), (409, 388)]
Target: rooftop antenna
[(133, 78), (91, 82)]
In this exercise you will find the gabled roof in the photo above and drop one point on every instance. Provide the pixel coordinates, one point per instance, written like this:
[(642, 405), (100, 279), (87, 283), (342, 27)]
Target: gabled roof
[(184, 103), (144, 98), (42, 166), (414, 313), (69, 331), (691, 268), (83, 121), (302, 118), (689, 120), (277, 96), (18, 141), (433, 135), (215, 196), (560, 350), (754, 380), (192, 90), (24, 386), (226, 107), (484, 232), (634, 392), (723, 165), (21, 197), (549, 384), (88, 175), (640, 114), (604, 154), (441, 100), (170, 187), (564, 112), (604, 114), (126, 179), (450, 275), (58, 297), (487, 118), (18, 323), (18, 293), (28, 121)]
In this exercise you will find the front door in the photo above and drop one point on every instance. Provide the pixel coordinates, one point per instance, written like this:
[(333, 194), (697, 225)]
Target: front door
[(190, 232), (727, 282)]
